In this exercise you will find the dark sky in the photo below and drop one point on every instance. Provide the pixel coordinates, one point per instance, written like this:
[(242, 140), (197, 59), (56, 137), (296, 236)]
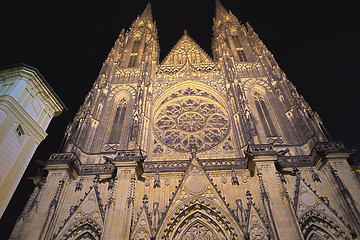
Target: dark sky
[(315, 43)]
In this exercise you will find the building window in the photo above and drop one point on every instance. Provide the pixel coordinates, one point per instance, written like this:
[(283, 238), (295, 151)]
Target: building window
[(264, 115), (134, 53), (19, 131), (239, 49), (118, 123)]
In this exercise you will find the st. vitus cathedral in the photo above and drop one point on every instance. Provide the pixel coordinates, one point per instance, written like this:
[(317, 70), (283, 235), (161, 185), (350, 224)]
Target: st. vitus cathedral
[(194, 147)]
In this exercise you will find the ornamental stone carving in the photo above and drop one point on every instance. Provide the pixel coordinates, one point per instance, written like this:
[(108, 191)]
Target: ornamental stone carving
[(198, 231), (191, 117)]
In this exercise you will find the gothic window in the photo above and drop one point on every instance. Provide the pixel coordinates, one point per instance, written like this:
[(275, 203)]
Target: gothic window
[(118, 122), (134, 53), (191, 118), (264, 115), (239, 48)]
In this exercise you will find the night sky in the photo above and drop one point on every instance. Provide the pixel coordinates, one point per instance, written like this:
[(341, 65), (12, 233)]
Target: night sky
[(315, 43)]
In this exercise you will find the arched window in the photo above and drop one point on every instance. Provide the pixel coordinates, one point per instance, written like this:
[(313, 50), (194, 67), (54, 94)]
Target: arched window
[(239, 48), (118, 122), (264, 115), (134, 53)]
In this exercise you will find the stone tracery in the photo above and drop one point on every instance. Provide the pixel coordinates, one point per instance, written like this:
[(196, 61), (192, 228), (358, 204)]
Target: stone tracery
[(191, 116)]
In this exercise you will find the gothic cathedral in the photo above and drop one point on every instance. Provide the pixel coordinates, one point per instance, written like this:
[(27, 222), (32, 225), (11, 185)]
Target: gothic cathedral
[(194, 147)]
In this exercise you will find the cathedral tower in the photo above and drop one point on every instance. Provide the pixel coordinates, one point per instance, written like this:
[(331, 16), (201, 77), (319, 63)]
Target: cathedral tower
[(194, 147)]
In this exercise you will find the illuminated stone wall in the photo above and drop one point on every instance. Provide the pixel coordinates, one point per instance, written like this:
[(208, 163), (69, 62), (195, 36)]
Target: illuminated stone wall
[(194, 147)]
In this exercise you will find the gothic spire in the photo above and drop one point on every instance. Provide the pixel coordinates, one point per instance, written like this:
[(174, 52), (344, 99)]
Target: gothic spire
[(220, 10), (147, 15)]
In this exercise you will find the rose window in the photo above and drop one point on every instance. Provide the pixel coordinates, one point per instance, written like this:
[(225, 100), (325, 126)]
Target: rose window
[(191, 120)]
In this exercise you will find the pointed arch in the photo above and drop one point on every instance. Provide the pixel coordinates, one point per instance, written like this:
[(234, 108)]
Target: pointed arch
[(205, 91), (119, 112), (316, 218), (260, 102), (85, 228), (264, 114), (118, 121), (316, 225), (196, 212)]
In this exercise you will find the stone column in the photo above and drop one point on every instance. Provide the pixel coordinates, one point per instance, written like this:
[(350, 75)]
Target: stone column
[(118, 218), (280, 213)]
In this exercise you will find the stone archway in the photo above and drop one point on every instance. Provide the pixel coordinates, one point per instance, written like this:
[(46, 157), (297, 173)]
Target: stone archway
[(199, 217), (318, 226), (85, 229)]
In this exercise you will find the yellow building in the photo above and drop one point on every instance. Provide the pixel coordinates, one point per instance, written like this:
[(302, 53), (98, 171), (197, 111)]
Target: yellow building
[(27, 105), (194, 147)]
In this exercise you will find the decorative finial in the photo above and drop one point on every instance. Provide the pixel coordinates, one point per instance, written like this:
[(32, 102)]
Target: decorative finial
[(315, 177), (185, 32), (145, 200), (249, 196)]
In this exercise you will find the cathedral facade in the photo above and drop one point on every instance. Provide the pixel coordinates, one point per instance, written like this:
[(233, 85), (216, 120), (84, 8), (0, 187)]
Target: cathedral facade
[(194, 147)]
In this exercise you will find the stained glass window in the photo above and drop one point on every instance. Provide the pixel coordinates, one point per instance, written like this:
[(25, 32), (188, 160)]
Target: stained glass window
[(191, 117)]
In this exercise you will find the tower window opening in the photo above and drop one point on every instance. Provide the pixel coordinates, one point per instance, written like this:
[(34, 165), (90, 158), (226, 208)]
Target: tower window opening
[(118, 123), (239, 49), (264, 116), (134, 53)]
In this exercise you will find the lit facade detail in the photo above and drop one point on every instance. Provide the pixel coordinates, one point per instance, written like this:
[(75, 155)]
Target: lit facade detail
[(194, 147)]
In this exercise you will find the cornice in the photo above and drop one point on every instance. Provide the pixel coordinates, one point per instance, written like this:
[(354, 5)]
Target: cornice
[(33, 76)]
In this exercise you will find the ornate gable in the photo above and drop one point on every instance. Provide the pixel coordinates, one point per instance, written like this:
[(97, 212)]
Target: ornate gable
[(316, 217), (198, 210), (256, 228), (85, 219), (186, 50), (142, 228)]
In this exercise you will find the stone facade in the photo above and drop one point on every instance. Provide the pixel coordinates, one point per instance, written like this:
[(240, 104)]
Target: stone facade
[(27, 105), (194, 147)]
